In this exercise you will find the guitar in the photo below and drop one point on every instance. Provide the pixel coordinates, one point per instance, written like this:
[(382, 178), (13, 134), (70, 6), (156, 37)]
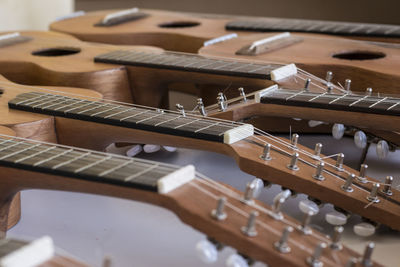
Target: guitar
[(258, 153), (187, 32), (375, 114), (39, 252), (260, 232)]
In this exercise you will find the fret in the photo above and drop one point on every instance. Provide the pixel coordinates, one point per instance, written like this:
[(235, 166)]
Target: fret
[(348, 102), (8, 147), (133, 176), (135, 117), (69, 161), (206, 127), (315, 26), (123, 164), (53, 157), (33, 155), (17, 152), (92, 164), (184, 62)]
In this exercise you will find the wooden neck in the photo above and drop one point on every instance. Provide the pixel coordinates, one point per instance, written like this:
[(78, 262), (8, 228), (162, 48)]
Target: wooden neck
[(315, 26)]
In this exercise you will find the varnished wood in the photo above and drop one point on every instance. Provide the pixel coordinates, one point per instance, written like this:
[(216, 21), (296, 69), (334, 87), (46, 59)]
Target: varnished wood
[(246, 152), (183, 201)]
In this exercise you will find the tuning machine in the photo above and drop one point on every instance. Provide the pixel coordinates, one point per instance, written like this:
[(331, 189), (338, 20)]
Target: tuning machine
[(222, 101), (207, 251), (365, 228), (201, 107)]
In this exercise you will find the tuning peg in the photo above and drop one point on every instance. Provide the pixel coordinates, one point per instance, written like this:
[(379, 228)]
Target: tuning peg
[(313, 123), (219, 213), (293, 162), (258, 186), (328, 77), (221, 100), (134, 150), (180, 108), (206, 251), (148, 148), (318, 172), (363, 173), (339, 162), (304, 227), (360, 139), (329, 89), (387, 188), (317, 150), (294, 140), (373, 196), (307, 84), (364, 229), (235, 260), (248, 194), (347, 85), (368, 92), (347, 185), (337, 234), (201, 107), (338, 131), (366, 258), (242, 94), (170, 148), (307, 206), (279, 199), (314, 260), (250, 228), (336, 218), (382, 149), (266, 153), (282, 245)]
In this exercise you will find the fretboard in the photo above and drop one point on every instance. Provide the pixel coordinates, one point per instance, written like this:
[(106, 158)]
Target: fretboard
[(346, 102), (314, 26), (88, 165), (187, 62), (132, 117)]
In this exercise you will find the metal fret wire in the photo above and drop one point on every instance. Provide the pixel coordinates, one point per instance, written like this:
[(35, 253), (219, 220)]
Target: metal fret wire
[(273, 138)]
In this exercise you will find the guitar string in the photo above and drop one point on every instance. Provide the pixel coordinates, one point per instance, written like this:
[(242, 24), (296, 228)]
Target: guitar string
[(279, 140), (201, 178)]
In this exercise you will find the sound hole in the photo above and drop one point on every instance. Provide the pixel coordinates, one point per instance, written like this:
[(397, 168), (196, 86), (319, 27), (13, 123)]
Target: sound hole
[(56, 52), (1, 91), (359, 55), (179, 24)]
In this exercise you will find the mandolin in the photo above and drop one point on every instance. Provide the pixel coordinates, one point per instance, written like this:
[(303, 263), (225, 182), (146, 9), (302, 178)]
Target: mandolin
[(260, 232), (40, 252), (258, 153), (187, 32)]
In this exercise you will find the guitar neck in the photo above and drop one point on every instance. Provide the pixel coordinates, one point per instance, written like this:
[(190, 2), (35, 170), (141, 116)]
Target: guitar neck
[(30, 168), (315, 26)]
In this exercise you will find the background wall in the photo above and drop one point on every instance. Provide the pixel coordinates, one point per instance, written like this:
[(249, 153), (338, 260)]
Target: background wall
[(28, 14), (382, 11)]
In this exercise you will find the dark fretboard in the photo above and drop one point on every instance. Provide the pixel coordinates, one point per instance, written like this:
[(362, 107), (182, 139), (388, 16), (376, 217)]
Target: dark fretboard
[(82, 164), (346, 102), (314, 26), (188, 62), (132, 117)]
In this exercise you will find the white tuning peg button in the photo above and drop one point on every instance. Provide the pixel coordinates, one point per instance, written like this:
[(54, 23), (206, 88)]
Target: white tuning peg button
[(236, 260), (364, 229), (382, 149), (206, 251), (360, 139), (307, 206), (170, 148), (336, 218), (151, 148), (314, 123), (338, 131), (258, 186), (134, 150)]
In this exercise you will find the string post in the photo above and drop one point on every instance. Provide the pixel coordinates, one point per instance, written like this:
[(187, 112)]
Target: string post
[(347, 185), (337, 235), (307, 85), (266, 155), (366, 258), (250, 228), (304, 227), (282, 245), (201, 107), (180, 108), (219, 213), (328, 78), (293, 162), (368, 92), (242, 94), (249, 194), (373, 195), (318, 172), (314, 260), (347, 85), (294, 140), (317, 150), (387, 188), (339, 162), (222, 101)]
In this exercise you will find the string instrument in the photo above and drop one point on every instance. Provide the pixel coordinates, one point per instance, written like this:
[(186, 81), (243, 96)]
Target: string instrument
[(376, 114), (40, 252), (272, 159), (45, 58), (187, 32), (256, 230)]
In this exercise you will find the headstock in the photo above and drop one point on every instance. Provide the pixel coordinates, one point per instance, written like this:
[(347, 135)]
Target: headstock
[(226, 215)]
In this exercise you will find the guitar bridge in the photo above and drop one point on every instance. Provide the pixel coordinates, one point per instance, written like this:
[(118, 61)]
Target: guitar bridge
[(269, 44), (121, 17)]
